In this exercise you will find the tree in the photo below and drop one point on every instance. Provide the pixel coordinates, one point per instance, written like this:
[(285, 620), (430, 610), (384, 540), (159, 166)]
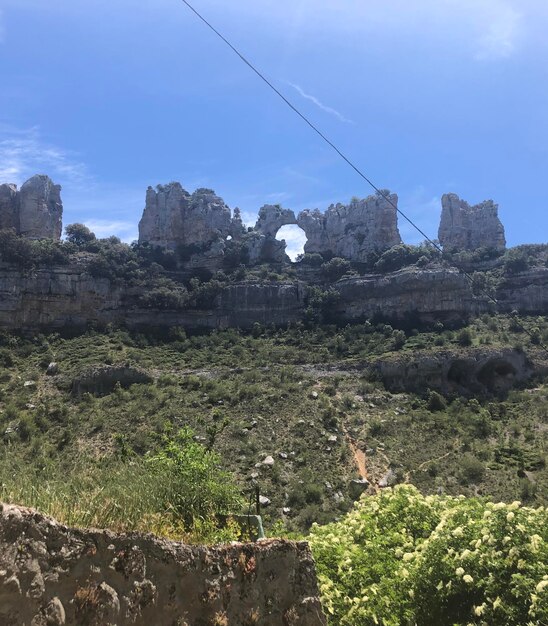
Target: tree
[(79, 234)]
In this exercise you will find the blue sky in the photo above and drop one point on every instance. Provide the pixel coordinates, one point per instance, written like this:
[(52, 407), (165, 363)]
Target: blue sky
[(428, 97)]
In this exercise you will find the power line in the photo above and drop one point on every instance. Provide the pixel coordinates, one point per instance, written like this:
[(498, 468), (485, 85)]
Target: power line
[(328, 141)]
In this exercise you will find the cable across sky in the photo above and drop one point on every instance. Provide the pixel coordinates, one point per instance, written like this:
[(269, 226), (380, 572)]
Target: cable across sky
[(347, 160)]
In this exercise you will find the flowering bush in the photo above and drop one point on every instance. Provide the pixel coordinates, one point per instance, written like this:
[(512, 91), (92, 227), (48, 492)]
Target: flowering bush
[(401, 558)]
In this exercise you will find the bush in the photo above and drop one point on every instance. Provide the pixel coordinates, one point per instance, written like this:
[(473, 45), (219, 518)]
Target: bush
[(473, 470), (436, 402), (404, 255), (464, 337), (79, 234), (404, 558), (335, 269), (312, 259)]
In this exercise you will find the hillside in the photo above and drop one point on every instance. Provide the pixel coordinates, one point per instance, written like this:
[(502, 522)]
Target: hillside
[(322, 401)]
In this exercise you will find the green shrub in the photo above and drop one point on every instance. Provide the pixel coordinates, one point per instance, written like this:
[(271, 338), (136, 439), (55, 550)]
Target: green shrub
[(335, 269), (464, 337), (436, 402)]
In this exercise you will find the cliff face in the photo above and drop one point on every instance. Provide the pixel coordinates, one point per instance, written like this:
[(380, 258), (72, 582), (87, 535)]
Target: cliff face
[(67, 297), (465, 227), (51, 575), (35, 211)]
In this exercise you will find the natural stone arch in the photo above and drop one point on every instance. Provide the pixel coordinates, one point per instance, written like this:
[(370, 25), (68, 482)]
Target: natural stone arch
[(272, 217)]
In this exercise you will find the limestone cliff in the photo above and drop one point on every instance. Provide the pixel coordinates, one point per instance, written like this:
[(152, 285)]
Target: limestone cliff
[(49, 299), (35, 211), (466, 227)]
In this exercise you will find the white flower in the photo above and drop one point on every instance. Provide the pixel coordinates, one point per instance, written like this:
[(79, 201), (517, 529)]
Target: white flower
[(468, 579), (542, 585), (459, 571)]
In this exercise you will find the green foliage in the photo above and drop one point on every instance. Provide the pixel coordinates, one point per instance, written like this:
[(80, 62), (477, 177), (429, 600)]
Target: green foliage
[(79, 234), (464, 337), (311, 259), (179, 491), (335, 269), (26, 254), (166, 294), (192, 485), (404, 255), (403, 558), (436, 402), (521, 258), (321, 305)]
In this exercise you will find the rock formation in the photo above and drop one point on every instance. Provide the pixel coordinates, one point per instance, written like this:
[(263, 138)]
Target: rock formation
[(465, 227), (173, 217), (51, 575), (35, 211), (355, 230)]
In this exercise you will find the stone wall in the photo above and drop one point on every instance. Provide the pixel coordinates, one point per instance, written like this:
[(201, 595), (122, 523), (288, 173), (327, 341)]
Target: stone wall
[(51, 575)]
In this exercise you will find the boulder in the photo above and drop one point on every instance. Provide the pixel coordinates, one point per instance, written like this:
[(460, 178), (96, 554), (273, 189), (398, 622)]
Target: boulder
[(53, 369), (466, 227)]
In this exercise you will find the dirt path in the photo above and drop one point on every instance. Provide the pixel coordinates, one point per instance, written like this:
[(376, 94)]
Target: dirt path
[(359, 457)]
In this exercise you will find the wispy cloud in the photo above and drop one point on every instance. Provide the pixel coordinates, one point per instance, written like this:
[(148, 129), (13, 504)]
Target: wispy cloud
[(500, 39), (23, 153), (320, 104), (126, 231)]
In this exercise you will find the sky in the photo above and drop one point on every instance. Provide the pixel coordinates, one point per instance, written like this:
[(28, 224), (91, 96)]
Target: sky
[(426, 97)]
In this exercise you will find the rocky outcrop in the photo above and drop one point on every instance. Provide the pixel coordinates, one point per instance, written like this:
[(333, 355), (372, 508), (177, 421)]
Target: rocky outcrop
[(465, 227), (411, 293), (173, 217), (103, 379), (51, 575), (35, 211), (472, 372), (355, 230)]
